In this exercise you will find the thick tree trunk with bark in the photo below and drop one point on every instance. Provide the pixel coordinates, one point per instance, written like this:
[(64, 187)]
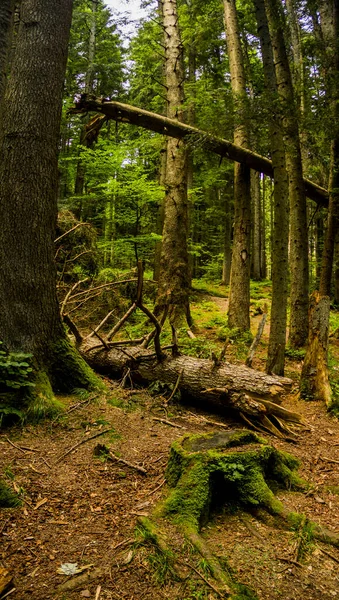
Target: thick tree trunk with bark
[(174, 279), (30, 320), (298, 217), (314, 378), (89, 80), (6, 17), (239, 297), (193, 136), (280, 269)]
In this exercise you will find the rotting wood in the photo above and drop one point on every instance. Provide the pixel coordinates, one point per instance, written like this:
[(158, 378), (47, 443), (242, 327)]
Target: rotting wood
[(238, 388), (195, 137)]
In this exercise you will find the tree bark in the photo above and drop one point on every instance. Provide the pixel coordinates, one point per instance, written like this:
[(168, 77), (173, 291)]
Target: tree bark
[(239, 296), (297, 197), (193, 136), (6, 16), (314, 376), (226, 386), (174, 278), (89, 80), (29, 136), (314, 383), (279, 255)]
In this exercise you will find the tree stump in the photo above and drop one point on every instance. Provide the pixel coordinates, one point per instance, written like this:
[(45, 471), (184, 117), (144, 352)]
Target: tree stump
[(229, 467)]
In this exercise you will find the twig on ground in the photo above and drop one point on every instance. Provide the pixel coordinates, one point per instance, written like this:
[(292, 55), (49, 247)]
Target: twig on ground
[(156, 488), (331, 460), (98, 592), (291, 561), (46, 463), (123, 543), (253, 531), (329, 555), (168, 423), (187, 564), (15, 446), (113, 457), (126, 375), (208, 421), (80, 443)]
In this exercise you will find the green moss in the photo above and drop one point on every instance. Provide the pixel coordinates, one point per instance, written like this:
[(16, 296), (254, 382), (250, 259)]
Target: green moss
[(8, 499), (68, 370), (217, 474), (41, 403)]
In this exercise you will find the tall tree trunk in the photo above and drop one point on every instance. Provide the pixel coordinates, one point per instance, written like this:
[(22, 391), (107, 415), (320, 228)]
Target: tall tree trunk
[(279, 255), (239, 298), (174, 279), (227, 250), (314, 376), (298, 217), (6, 20), (29, 135), (89, 81), (256, 227)]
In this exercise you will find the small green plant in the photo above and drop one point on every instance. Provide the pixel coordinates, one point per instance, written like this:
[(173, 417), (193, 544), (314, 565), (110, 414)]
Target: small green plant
[(8, 499), (15, 370), (15, 381), (295, 354)]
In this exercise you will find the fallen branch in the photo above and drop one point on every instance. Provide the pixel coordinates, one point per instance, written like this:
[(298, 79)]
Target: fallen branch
[(88, 439), (113, 457), (167, 422), (329, 555), (195, 137)]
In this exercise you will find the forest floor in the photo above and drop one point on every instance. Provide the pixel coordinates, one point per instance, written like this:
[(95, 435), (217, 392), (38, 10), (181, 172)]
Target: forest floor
[(80, 509)]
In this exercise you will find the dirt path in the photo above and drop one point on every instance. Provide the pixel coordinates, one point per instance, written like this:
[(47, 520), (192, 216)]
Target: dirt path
[(82, 510)]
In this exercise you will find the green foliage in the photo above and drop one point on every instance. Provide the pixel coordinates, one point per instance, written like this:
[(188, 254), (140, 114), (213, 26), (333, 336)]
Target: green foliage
[(8, 499), (15, 370), (295, 353)]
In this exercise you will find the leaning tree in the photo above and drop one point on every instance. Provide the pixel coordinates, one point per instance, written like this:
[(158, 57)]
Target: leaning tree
[(29, 133)]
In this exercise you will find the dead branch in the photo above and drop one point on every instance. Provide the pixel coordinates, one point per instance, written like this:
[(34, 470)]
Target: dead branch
[(88, 439), (192, 135), (69, 293), (70, 231), (74, 329), (101, 324)]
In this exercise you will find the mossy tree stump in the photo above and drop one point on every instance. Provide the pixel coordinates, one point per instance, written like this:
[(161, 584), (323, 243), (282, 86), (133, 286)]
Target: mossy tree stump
[(205, 472), (230, 467)]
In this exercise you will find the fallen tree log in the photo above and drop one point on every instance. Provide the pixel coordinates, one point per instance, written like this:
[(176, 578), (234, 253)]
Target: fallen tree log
[(254, 395), (192, 135)]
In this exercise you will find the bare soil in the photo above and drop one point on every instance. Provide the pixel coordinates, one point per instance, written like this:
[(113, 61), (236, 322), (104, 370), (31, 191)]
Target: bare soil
[(81, 509)]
